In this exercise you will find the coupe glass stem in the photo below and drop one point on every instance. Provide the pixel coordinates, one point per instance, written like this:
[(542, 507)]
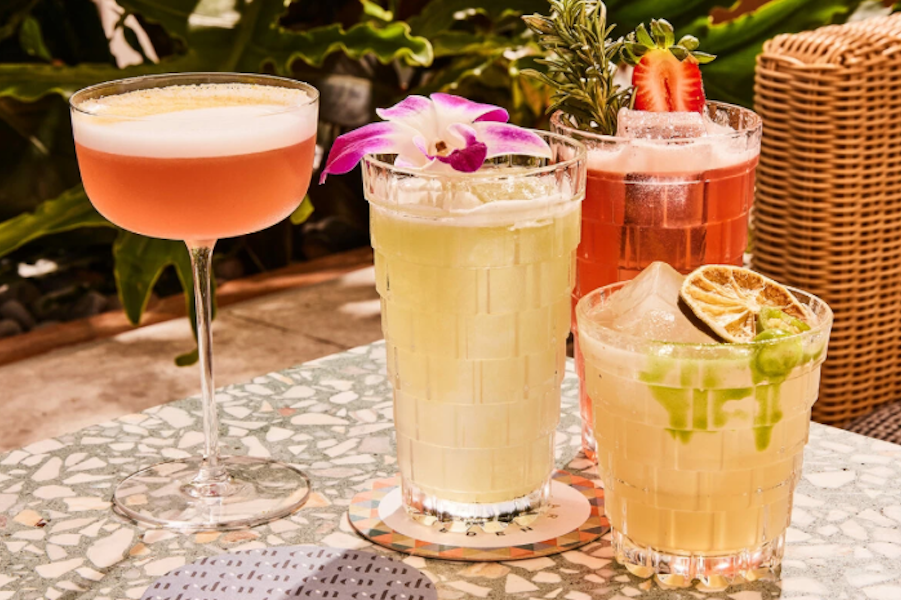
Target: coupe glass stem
[(212, 478)]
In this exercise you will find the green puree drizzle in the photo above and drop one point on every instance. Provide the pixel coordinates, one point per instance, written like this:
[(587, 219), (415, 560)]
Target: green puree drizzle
[(772, 363)]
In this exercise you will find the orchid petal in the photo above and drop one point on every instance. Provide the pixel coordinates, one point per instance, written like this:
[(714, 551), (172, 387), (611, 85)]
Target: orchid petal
[(503, 138), (471, 156), (423, 146), (465, 133), (468, 159), (414, 111), (349, 149), (456, 109)]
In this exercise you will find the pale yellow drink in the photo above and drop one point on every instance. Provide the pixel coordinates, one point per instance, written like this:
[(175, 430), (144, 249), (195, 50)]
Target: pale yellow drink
[(699, 447), (475, 313)]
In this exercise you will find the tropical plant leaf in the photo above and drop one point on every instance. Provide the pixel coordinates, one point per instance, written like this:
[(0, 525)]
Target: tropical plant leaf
[(173, 15), (139, 263), (31, 39), (188, 358), (247, 44), (12, 13), (387, 43), (303, 211), (453, 43), (71, 210), (439, 16), (374, 11), (629, 14), (30, 82), (738, 42), (461, 69)]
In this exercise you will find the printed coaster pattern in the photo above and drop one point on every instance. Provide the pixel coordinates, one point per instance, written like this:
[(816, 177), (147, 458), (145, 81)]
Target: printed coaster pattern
[(575, 518), (294, 572)]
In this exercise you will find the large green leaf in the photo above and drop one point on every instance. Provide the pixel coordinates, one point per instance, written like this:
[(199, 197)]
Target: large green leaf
[(282, 47), (440, 15), (628, 14), (738, 42), (139, 263), (29, 82), (173, 15), (12, 13), (71, 210), (453, 43), (303, 212), (31, 39), (246, 43)]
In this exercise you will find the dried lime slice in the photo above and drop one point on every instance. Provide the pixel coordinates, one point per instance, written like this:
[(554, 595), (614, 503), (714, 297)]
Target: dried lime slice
[(730, 300)]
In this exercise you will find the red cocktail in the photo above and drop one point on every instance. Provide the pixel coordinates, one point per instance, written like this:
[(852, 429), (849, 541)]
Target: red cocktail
[(681, 200)]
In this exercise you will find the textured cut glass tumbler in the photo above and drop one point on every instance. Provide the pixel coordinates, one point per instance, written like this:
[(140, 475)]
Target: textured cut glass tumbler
[(700, 445), (475, 273)]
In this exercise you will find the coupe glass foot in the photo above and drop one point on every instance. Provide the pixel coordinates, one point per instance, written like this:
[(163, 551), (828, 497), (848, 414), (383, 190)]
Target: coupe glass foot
[(254, 491)]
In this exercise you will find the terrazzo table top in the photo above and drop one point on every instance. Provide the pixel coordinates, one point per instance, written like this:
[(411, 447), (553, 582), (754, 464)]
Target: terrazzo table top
[(332, 418)]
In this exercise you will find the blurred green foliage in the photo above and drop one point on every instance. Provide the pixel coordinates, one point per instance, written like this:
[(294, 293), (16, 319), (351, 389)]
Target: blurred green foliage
[(475, 48)]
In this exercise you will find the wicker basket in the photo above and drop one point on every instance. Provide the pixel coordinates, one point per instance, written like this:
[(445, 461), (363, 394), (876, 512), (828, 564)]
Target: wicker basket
[(827, 216)]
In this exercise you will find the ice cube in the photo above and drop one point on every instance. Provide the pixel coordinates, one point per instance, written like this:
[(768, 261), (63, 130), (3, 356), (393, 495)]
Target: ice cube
[(648, 306), (660, 125)]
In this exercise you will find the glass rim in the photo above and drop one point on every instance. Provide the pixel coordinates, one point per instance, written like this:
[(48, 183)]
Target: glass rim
[(178, 79), (581, 154), (558, 120), (582, 309)]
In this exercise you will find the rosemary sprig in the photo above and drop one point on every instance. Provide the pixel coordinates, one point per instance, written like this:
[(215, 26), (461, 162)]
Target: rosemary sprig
[(580, 63)]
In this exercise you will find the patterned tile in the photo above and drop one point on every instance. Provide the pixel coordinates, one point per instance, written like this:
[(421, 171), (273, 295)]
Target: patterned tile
[(332, 418)]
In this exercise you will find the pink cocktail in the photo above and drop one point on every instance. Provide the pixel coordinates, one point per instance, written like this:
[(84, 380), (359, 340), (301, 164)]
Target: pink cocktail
[(681, 200), (198, 157)]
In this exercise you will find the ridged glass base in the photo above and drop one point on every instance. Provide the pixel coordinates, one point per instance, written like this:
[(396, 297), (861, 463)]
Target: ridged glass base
[(428, 508), (681, 570)]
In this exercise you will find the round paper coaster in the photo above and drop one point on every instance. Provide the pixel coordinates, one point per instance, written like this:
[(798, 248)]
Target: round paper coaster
[(294, 572), (574, 518)]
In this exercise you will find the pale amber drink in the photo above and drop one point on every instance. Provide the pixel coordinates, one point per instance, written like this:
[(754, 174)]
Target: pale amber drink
[(699, 447), (475, 313)]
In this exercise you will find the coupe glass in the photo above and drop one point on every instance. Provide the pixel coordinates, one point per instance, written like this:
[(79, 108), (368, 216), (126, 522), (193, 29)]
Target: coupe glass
[(198, 157)]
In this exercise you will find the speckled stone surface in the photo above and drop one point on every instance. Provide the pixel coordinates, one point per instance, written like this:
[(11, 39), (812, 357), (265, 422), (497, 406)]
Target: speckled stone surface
[(332, 417)]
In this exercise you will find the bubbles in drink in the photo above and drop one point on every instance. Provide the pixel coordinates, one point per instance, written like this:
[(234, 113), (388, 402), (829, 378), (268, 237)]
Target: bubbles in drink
[(661, 125)]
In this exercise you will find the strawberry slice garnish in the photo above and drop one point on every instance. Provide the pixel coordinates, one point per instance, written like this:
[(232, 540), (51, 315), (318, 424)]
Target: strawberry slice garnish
[(666, 76), (663, 83)]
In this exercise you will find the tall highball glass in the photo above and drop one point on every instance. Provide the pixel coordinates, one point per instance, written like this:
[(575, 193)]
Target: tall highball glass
[(475, 272)]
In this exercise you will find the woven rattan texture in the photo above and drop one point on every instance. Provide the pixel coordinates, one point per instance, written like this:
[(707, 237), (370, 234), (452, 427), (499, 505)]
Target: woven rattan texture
[(827, 216), (883, 423)]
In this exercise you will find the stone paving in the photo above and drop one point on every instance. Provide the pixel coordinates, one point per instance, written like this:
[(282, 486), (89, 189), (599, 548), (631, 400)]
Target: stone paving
[(74, 387)]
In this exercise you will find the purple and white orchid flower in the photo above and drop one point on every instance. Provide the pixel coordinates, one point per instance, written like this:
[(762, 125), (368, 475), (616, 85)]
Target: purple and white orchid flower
[(442, 128)]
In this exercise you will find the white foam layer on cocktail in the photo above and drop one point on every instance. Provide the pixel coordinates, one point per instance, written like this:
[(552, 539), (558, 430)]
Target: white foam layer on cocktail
[(196, 121), (670, 143), (514, 198)]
